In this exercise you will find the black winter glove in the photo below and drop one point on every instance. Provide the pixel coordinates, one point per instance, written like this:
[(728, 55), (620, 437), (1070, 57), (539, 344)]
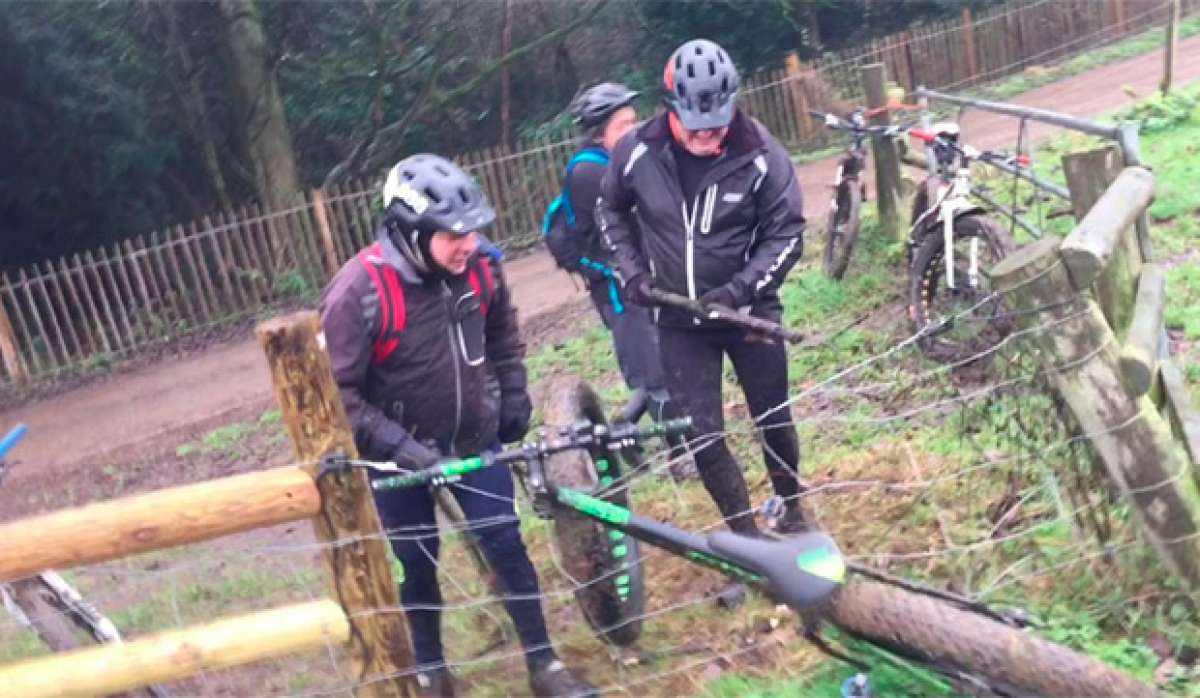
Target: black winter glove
[(515, 411), (637, 290), (414, 455), (721, 295)]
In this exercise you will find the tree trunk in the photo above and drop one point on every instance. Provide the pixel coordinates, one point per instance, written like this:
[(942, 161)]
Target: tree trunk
[(261, 118), (506, 77)]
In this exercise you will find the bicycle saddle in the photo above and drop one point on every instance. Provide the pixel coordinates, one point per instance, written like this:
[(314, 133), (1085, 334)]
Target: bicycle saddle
[(802, 571)]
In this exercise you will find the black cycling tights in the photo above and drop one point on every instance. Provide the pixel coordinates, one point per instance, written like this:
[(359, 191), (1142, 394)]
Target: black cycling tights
[(692, 359)]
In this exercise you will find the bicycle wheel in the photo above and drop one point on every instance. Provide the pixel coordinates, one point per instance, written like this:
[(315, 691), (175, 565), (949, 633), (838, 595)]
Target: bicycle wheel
[(841, 228), (50, 622), (922, 627), (958, 322), (606, 564)]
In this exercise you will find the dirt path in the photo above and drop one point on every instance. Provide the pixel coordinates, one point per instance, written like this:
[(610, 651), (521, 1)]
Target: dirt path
[(144, 404)]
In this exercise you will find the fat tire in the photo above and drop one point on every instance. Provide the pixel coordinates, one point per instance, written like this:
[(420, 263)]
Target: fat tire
[(923, 277), (584, 545), (839, 247), (1012, 660)]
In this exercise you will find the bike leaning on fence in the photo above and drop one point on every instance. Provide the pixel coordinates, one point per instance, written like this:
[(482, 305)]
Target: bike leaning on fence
[(952, 240), (962, 640), (48, 605), (849, 188)]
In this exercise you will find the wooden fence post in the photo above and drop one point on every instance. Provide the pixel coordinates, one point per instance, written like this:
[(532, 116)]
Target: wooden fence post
[(795, 84), (322, 218), (8, 349), (1080, 355), (1088, 178), (349, 526), (887, 161), (1171, 47), (968, 32)]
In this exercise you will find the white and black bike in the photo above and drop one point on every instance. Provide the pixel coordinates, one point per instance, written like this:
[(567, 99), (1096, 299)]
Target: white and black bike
[(952, 240)]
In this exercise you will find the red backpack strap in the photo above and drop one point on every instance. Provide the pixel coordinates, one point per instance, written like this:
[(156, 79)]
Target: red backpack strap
[(392, 312), (486, 288)]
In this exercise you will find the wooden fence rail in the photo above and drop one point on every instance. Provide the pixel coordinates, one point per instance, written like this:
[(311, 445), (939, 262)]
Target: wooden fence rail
[(112, 301)]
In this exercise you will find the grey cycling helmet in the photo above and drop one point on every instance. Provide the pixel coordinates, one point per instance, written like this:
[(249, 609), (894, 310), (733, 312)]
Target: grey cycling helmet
[(597, 103), (702, 82), (427, 193)]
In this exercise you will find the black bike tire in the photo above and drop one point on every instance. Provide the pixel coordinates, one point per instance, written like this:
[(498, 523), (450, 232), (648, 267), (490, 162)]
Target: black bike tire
[(837, 256), (926, 264), (923, 627), (585, 546), (50, 623)]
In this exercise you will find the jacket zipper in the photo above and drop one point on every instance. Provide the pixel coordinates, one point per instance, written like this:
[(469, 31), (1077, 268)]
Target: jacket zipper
[(446, 295)]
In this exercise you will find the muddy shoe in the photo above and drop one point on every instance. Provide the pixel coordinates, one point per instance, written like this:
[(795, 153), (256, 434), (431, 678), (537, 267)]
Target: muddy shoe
[(793, 522), (554, 680), (436, 683)]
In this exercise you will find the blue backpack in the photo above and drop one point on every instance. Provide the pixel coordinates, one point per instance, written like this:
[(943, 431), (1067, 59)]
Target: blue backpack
[(558, 226)]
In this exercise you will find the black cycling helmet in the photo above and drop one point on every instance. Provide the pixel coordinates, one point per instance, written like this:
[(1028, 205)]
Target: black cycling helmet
[(702, 82), (426, 193), (597, 103)]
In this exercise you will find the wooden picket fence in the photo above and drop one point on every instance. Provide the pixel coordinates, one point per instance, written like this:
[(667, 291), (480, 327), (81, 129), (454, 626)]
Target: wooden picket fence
[(115, 300)]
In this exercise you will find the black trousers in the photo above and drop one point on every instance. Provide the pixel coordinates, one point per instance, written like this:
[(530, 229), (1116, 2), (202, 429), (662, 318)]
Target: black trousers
[(692, 361)]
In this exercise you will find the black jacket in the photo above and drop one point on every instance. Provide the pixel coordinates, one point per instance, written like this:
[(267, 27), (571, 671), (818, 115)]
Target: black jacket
[(743, 229), (439, 384), (585, 190)]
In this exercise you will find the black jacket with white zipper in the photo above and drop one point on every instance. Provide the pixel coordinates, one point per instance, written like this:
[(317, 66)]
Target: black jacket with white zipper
[(743, 228)]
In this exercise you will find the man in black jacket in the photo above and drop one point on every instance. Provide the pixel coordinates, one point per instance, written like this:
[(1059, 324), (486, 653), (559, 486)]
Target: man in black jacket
[(703, 201), (421, 331)]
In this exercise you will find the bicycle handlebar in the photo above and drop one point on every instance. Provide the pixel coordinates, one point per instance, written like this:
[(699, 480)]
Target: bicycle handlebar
[(12, 438), (1020, 160), (577, 436)]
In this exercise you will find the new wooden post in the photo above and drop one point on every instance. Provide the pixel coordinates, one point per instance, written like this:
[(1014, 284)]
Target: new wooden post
[(968, 32), (322, 217), (887, 161), (349, 525), (1104, 246), (795, 73), (8, 348), (1171, 46), (1127, 433)]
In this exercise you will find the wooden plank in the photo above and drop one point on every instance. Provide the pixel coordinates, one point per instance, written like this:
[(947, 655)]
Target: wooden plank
[(199, 275), (1095, 252), (169, 298), (205, 268), (38, 325), (368, 211), (136, 262), (56, 315), (341, 219), (109, 317), (34, 358), (248, 225), (129, 305), (9, 352), (187, 304), (247, 271), (178, 654), (316, 424), (1041, 293), (156, 520), (224, 236), (332, 258), (1139, 355), (227, 306), (1181, 412), (89, 342), (109, 287)]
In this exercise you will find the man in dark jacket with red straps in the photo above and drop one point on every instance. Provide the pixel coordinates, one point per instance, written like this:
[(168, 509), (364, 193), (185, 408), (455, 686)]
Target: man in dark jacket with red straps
[(703, 201), (423, 338)]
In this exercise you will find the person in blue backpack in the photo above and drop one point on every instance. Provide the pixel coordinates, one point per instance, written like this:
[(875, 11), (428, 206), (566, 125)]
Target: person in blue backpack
[(605, 113), (423, 338)]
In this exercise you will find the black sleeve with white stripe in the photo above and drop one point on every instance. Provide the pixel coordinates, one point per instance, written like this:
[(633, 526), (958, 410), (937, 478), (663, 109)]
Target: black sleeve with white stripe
[(779, 242), (614, 211)]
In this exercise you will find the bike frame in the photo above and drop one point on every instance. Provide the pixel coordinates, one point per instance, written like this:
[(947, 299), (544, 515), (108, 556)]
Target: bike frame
[(953, 201)]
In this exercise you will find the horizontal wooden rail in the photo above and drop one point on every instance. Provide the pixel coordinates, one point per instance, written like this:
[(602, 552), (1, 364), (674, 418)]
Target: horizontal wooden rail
[(156, 520), (1089, 247), (1139, 355), (178, 654)]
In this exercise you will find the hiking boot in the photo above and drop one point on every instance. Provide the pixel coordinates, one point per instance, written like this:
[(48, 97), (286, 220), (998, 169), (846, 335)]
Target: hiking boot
[(554, 680), (436, 683)]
